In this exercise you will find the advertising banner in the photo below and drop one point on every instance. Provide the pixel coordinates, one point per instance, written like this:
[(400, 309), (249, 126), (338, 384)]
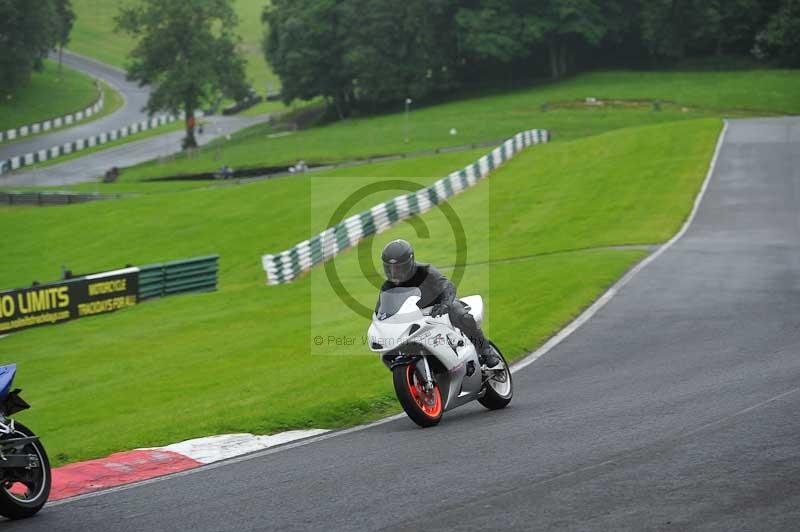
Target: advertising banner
[(68, 300)]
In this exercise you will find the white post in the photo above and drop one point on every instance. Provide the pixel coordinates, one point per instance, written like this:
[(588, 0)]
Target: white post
[(408, 105)]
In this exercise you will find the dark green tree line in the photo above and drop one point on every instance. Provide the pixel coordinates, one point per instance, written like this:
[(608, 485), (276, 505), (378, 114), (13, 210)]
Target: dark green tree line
[(781, 38), (362, 53), (306, 50), (399, 49), (677, 28), (506, 30)]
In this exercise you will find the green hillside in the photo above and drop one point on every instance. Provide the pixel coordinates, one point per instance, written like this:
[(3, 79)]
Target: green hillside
[(546, 234), (94, 35), (545, 221), (627, 101), (50, 94)]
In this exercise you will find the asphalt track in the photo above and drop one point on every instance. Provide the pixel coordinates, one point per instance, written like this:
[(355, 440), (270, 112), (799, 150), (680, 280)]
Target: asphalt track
[(673, 408), (131, 111), (92, 166)]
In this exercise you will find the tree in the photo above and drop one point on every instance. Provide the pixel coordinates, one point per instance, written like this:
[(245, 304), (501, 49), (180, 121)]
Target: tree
[(304, 45), (677, 28), (361, 52), (667, 26), (187, 51), (566, 24), (498, 30), (505, 30), (781, 38), (65, 19), (728, 26), (397, 50), (27, 33)]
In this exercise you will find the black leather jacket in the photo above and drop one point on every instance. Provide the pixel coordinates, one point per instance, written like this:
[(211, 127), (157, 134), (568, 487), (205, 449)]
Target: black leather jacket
[(435, 287)]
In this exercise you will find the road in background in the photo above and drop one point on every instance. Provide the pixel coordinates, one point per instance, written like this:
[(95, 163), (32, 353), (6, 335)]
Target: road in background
[(674, 408), (90, 167), (135, 100)]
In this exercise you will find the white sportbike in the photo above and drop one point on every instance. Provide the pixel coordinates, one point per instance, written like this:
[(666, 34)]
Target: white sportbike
[(435, 366)]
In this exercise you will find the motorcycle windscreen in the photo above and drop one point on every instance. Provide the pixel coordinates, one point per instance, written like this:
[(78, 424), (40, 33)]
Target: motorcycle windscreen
[(392, 300)]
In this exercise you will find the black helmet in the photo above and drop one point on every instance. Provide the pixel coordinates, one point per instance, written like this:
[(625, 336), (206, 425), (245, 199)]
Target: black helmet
[(398, 261)]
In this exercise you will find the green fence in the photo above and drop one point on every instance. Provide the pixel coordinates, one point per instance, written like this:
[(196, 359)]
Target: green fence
[(198, 274)]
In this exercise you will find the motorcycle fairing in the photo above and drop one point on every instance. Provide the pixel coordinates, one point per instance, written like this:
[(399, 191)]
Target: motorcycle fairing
[(408, 334), (6, 379)]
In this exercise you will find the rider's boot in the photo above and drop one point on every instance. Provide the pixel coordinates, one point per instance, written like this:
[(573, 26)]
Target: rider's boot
[(487, 356)]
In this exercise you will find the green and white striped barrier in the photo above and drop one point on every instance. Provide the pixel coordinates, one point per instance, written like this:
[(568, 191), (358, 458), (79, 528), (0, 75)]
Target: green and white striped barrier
[(287, 265), (19, 161), (53, 123)]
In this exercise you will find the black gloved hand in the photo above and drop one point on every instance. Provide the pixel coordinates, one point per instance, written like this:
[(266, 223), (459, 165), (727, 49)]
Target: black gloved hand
[(439, 309)]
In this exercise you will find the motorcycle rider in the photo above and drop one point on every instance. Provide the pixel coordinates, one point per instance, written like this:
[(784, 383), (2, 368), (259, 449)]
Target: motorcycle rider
[(436, 290)]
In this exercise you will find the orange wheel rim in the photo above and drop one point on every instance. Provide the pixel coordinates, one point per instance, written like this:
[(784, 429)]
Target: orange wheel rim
[(429, 402)]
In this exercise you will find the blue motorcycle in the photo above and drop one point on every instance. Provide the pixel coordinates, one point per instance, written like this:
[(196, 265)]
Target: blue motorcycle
[(24, 467)]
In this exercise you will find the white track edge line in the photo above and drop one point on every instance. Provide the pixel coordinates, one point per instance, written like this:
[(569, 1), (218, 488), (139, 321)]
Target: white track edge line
[(519, 365), (616, 287), (233, 460)]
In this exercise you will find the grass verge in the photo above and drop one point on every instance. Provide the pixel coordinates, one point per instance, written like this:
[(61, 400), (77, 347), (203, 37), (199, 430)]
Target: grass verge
[(51, 94), (155, 374), (498, 116), (113, 101)]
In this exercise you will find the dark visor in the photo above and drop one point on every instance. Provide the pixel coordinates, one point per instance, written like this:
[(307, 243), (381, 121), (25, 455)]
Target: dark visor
[(399, 271)]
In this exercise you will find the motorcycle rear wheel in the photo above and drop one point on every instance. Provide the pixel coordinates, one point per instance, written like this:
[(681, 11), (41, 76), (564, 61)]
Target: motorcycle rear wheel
[(424, 408), (25, 495), (498, 393)]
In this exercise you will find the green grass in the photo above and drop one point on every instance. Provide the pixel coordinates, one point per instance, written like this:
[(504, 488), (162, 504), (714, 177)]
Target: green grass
[(51, 94), (251, 30), (155, 374), (95, 24), (541, 233), (422, 165), (498, 116), (113, 101)]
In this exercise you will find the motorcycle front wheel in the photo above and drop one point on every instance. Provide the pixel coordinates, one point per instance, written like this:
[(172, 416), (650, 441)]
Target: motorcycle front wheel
[(24, 491), (424, 407)]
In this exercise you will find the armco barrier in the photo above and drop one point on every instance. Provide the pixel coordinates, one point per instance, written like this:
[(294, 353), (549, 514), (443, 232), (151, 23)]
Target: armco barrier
[(286, 266), (54, 123), (270, 172), (197, 274), (19, 161), (51, 198)]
